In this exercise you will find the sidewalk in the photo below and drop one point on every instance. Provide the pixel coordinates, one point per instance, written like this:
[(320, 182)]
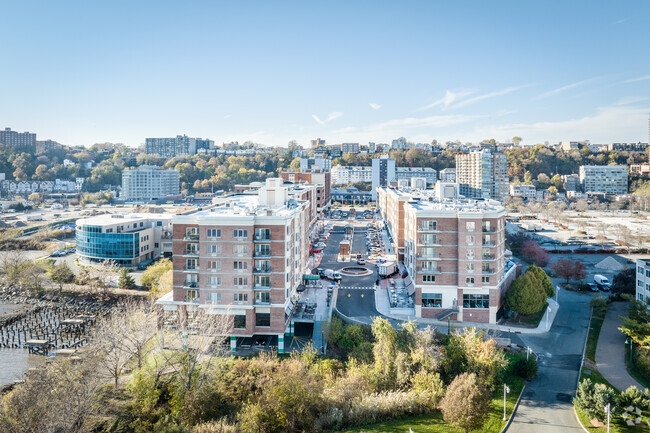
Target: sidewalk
[(610, 352)]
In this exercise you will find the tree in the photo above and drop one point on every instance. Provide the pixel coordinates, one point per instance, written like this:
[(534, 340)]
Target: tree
[(624, 282), (516, 140), (534, 253), (126, 281), (467, 403), (526, 295), (544, 279), (593, 398), (569, 269), (553, 190), (61, 274), (34, 196), (482, 356), (151, 276), (582, 205)]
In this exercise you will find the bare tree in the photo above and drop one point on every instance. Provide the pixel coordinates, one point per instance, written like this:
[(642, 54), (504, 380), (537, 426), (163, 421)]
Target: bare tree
[(18, 272), (110, 347), (140, 325)]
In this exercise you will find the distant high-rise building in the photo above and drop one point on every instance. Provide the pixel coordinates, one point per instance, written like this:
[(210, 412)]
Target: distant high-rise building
[(383, 172), (482, 175), (170, 147), (148, 182), (204, 145), (317, 142), (17, 139), (350, 148), (610, 179), (324, 164), (448, 175)]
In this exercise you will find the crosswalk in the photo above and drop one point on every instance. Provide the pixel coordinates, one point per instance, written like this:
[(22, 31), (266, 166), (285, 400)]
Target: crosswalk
[(356, 287)]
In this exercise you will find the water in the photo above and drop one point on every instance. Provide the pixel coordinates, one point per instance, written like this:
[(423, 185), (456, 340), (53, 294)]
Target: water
[(14, 363)]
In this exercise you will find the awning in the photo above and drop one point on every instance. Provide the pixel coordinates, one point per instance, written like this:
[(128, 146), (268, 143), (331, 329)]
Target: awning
[(310, 277)]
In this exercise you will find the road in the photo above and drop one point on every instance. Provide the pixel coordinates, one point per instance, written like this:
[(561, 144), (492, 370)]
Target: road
[(546, 404)]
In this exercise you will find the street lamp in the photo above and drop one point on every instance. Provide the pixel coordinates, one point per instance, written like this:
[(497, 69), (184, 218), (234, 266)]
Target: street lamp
[(506, 390), (628, 340), (548, 313), (608, 410)]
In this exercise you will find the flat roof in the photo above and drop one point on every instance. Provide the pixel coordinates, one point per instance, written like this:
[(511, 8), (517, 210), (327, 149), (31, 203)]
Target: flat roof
[(458, 205), (105, 219)]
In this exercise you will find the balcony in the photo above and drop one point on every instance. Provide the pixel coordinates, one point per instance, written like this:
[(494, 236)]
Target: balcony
[(263, 253), (489, 229), (257, 287), (191, 237), (488, 257), (264, 238), (489, 244), (428, 271), (262, 270), (192, 300), (428, 258), (190, 284), (488, 271), (191, 253), (191, 268), (427, 230)]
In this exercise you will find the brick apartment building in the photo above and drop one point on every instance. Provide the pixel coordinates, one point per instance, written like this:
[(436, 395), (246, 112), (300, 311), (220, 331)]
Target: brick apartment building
[(315, 175), (244, 258)]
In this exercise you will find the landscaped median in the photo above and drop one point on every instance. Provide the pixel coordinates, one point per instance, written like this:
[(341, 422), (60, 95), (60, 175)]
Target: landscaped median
[(595, 392)]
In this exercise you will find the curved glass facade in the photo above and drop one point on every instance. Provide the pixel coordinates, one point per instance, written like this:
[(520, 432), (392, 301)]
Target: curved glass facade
[(95, 246)]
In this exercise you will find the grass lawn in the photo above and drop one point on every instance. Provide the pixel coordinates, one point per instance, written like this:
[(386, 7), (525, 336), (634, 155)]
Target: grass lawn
[(435, 424), (596, 323), (635, 372)]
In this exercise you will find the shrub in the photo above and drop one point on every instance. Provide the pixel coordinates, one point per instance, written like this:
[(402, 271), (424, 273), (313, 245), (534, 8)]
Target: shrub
[(633, 397), (429, 387), (592, 398), (525, 367), (543, 279), (467, 403), (526, 295)]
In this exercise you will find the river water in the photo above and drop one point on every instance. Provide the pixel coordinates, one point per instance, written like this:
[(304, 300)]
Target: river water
[(14, 363)]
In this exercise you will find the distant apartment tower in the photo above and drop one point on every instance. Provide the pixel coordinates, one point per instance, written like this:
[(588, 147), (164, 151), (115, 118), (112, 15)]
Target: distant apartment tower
[(483, 175), (181, 145), (448, 175), (309, 163), (317, 142), (609, 179), (349, 148), (524, 191), (643, 280), (571, 182), (383, 172), (320, 179), (148, 183), (245, 258), (420, 172), (344, 174), (204, 146), (17, 139)]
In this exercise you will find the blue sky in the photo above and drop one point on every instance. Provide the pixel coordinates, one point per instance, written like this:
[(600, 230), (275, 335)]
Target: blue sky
[(82, 72)]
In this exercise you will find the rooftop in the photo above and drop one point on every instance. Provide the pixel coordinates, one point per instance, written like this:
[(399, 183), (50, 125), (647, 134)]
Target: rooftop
[(105, 219), (459, 205)]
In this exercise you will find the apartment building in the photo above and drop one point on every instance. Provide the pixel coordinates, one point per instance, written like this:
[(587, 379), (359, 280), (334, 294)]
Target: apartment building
[(383, 172), (571, 182), (410, 172), (350, 148), (244, 258), (17, 139), (627, 147), (482, 175), (126, 240), (608, 179), (454, 252), (390, 204), (342, 174), (642, 169), (171, 147), (524, 191), (643, 280), (321, 180), (325, 164), (448, 175), (149, 183)]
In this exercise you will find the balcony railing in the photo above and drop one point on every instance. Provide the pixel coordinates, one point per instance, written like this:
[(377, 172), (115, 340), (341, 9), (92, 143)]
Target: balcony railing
[(489, 244), (190, 252), (190, 284), (191, 268), (488, 271), (192, 300), (489, 229), (488, 257), (262, 270), (428, 271), (260, 302), (258, 287), (428, 257), (262, 238), (191, 237), (258, 253)]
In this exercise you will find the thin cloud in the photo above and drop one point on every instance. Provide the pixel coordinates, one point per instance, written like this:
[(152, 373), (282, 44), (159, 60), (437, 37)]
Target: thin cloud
[(634, 80), (449, 98), (630, 100), (563, 88), (331, 116), (227, 116), (490, 95), (374, 106), (621, 21)]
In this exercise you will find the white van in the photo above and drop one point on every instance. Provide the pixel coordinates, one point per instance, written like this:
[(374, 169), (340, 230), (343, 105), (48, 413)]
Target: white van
[(602, 281)]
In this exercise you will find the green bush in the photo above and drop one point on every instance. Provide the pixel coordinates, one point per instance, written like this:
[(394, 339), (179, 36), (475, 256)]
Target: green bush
[(526, 295), (592, 398), (526, 368)]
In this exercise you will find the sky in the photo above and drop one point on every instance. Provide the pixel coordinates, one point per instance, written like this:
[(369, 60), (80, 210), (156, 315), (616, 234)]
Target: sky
[(84, 72)]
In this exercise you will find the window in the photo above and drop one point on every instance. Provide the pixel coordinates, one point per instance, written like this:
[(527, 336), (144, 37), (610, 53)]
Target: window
[(262, 281), (647, 272), (428, 278), (429, 239), (214, 233), (469, 281), (239, 265), (240, 321), (470, 226), (192, 232), (262, 234), (432, 300), (214, 265), (428, 252), (240, 281), (428, 266), (486, 226), (214, 281), (240, 249), (486, 240), (469, 267), (214, 297), (429, 225), (262, 319), (470, 239), (240, 297), (470, 254), (487, 254), (214, 249), (262, 266), (476, 301), (640, 270), (485, 280), (192, 295), (240, 233), (263, 250), (262, 297), (191, 264)]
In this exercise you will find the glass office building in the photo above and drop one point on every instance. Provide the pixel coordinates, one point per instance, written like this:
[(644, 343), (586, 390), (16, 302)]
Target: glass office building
[(95, 246)]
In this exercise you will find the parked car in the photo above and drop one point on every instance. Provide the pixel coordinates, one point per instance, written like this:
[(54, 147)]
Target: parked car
[(361, 262), (593, 287)]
